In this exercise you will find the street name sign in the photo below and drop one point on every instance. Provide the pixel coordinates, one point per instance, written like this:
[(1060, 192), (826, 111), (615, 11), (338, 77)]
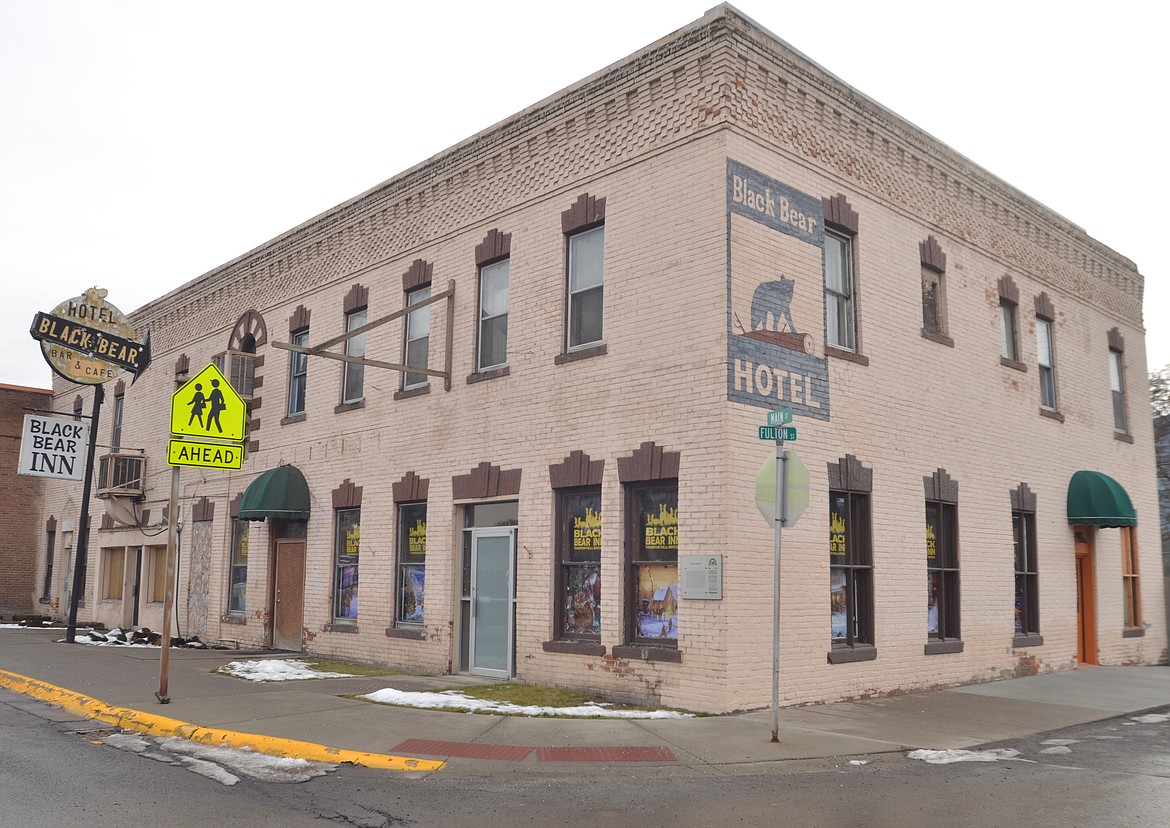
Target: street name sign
[(780, 416), (777, 432)]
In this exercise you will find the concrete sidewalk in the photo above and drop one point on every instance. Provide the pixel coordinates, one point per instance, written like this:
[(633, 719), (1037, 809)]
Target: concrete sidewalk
[(316, 713)]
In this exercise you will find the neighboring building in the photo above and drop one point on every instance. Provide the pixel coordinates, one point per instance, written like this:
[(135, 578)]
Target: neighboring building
[(622, 280), (22, 537)]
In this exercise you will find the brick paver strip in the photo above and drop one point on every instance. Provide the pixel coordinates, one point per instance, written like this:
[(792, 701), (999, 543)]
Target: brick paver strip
[(603, 754), (465, 750)]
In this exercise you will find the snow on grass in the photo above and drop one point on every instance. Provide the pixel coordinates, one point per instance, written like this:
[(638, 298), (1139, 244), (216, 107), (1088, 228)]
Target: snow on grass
[(948, 757), (454, 700), (277, 669)]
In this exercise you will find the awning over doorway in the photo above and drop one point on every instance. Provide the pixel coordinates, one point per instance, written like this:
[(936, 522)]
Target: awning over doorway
[(278, 493), (1097, 499)]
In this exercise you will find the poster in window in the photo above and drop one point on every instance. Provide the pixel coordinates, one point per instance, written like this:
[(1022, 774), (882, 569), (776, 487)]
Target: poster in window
[(657, 601), (933, 587), (931, 543), (582, 600), (413, 528), (584, 526), (413, 594), (349, 534), (1019, 609), (837, 530), (347, 591), (839, 604), (660, 525)]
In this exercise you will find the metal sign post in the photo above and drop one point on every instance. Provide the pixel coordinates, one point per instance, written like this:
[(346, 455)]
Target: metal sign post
[(83, 521), (781, 501)]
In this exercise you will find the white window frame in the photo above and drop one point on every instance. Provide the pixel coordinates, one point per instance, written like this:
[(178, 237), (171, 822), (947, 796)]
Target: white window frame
[(1046, 363), (1117, 387), (417, 328), (487, 274), (577, 294), (298, 379), (843, 300), (1009, 346), (353, 376)]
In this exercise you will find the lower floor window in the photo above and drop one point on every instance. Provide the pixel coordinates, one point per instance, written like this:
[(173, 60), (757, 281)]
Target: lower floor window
[(653, 541), (158, 574), (115, 574), (412, 562), (347, 548), (238, 582), (1131, 592)]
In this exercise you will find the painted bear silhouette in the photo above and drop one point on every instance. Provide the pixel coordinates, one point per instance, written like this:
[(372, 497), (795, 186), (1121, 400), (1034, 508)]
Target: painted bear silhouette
[(773, 298)]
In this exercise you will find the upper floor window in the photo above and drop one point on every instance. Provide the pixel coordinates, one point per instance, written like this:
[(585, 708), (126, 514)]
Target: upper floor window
[(353, 374), (1045, 351), (841, 223), (934, 291), (584, 226), (1117, 381), (298, 374), (119, 408), (418, 337), (1009, 330), (493, 316), (353, 382)]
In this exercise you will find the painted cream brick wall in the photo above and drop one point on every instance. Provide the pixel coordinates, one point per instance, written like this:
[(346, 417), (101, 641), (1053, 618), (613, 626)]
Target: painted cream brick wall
[(652, 135)]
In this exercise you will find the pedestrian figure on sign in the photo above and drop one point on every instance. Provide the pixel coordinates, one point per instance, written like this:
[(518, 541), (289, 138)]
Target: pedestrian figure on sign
[(217, 405), (197, 403)]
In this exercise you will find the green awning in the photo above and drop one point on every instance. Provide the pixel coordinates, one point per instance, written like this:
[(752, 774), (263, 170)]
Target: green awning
[(1098, 500), (278, 493)]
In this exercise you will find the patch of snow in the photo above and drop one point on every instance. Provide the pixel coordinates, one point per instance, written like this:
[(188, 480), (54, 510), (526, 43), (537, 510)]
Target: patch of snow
[(1151, 718), (454, 699), (1060, 741), (858, 761), (276, 669), (219, 762), (948, 757), (1057, 749)]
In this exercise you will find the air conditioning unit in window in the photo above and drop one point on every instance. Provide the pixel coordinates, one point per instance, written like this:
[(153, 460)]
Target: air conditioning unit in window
[(121, 475)]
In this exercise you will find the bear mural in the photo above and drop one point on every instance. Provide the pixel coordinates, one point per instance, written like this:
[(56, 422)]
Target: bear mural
[(773, 299)]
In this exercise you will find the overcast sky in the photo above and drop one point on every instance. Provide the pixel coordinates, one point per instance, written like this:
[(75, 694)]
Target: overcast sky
[(144, 143)]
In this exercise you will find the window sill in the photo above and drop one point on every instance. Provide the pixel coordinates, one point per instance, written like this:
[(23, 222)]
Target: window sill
[(407, 393), (1052, 414), (349, 406), (411, 633), (940, 338), (640, 652), (583, 353), (1013, 363), (491, 373), (238, 620), (293, 418), (1122, 437), (848, 356), (341, 627), (1133, 632), (948, 645), (848, 655), (1028, 640), (591, 648)]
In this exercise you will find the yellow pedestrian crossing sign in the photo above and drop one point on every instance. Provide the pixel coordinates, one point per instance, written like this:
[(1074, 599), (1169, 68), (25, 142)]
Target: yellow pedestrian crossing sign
[(207, 406)]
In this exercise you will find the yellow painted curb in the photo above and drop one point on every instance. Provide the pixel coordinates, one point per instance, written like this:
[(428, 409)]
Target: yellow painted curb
[(148, 723)]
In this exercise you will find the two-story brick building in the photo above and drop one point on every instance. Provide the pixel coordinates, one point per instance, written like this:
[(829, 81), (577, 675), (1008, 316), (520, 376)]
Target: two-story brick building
[(596, 302), (20, 536)]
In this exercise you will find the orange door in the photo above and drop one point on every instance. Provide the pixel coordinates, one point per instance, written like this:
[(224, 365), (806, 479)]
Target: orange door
[(288, 600), (1086, 597)]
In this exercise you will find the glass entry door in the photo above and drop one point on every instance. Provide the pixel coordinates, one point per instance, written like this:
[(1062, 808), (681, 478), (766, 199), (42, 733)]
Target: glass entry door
[(492, 594)]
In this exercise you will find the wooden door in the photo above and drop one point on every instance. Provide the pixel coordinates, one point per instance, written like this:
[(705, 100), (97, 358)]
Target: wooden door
[(1086, 597), (289, 595)]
